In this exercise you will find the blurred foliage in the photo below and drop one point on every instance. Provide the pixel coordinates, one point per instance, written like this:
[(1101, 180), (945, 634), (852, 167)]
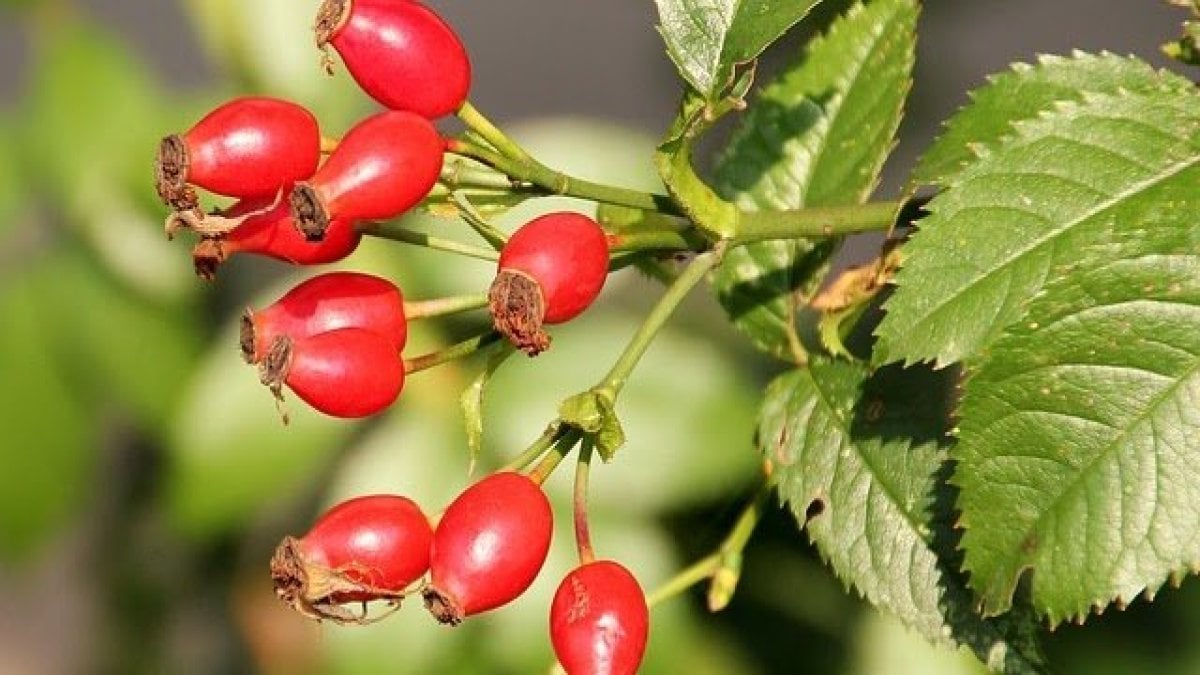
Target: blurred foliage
[(146, 476)]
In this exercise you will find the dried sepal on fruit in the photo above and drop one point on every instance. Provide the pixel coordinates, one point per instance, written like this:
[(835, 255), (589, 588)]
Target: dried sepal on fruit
[(365, 549), (550, 270)]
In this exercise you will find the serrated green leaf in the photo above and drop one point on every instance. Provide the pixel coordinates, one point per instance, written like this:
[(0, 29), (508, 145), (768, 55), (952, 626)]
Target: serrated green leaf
[(1044, 204), (707, 38), (860, 460), (1078, 458), (817, 136), (1023, 92)]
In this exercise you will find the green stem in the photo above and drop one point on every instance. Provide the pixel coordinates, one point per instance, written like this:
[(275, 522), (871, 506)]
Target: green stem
[(676, 292), (688, 577), (583, 536), (427, 309), (562, 448), (553, 433), (480, 124), (492, 235), (451, 353), (816, 222), (658, 240), (399, 233), (457, 173)]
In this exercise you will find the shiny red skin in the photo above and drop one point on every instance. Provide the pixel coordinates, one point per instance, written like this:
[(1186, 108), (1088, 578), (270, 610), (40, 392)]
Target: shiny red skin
[(348, 372), (332, 301), (491, 542), (253, 147), (599, 621), (381, 541), (383, 167), (404, 56), (567, 254), (274, 234)]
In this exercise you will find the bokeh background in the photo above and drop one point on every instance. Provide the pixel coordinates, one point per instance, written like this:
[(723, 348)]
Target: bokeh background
[(145, 478)]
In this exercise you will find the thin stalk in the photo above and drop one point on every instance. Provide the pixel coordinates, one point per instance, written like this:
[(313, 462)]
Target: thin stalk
[(685, 579), (453, 352), (490, 233), (562, 448), (676, 292), (553, 433), (428, 309), (481, 125), (456, 173), (816, 222), (407, 236), (658, 240), (583, 536)]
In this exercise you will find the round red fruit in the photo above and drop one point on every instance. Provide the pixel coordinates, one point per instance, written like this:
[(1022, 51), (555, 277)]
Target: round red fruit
[(272, 233), (488, 547), (400, 52), (551, 270), (249, 147), (348, 372), (383, 167), (366, 548), (599, 621), (325, 303)]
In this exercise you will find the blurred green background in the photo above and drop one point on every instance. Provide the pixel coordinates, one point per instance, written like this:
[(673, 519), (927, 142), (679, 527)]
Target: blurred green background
[(145, 475)]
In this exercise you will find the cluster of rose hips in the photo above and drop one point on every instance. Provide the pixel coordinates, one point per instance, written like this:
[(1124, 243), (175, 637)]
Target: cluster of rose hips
[(336, 340)]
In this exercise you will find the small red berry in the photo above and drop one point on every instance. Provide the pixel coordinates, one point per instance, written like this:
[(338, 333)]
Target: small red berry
[(273, 233), (488, 547), (348, 372), (383, 167), (551, 269), (324, 303), (400, 52), (366, 548), (248, 147), (599, 621)]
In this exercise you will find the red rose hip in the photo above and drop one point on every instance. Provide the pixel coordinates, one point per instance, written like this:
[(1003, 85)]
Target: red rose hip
[(324, 303), (366, 548), (383, 167), (348, 372), (599, 621), (400, 52), (488, 547), (248, 147), (273, 234), (551, 270)]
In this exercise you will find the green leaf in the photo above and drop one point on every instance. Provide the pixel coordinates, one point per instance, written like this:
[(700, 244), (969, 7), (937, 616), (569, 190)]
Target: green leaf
[(707, 38), (1043, 205), (594, 414), (471, 400), (860, 460), (817, 136), (1078, 458), (1022, 93)]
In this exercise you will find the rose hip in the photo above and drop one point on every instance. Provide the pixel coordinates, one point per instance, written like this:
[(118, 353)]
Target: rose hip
[(599, 621), (383, 167), (400, 52), (551, 270), (348, 372), (488, 547), (324, 303), (248, 147), (366, 548)]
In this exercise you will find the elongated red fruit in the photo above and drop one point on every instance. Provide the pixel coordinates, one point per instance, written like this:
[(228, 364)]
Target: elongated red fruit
[(248, 147), (599, 621), (366, 548), (273, 234), (400, 52), (488, 547), (383, 167), (551, 270), (324, 303), (348, 372)]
